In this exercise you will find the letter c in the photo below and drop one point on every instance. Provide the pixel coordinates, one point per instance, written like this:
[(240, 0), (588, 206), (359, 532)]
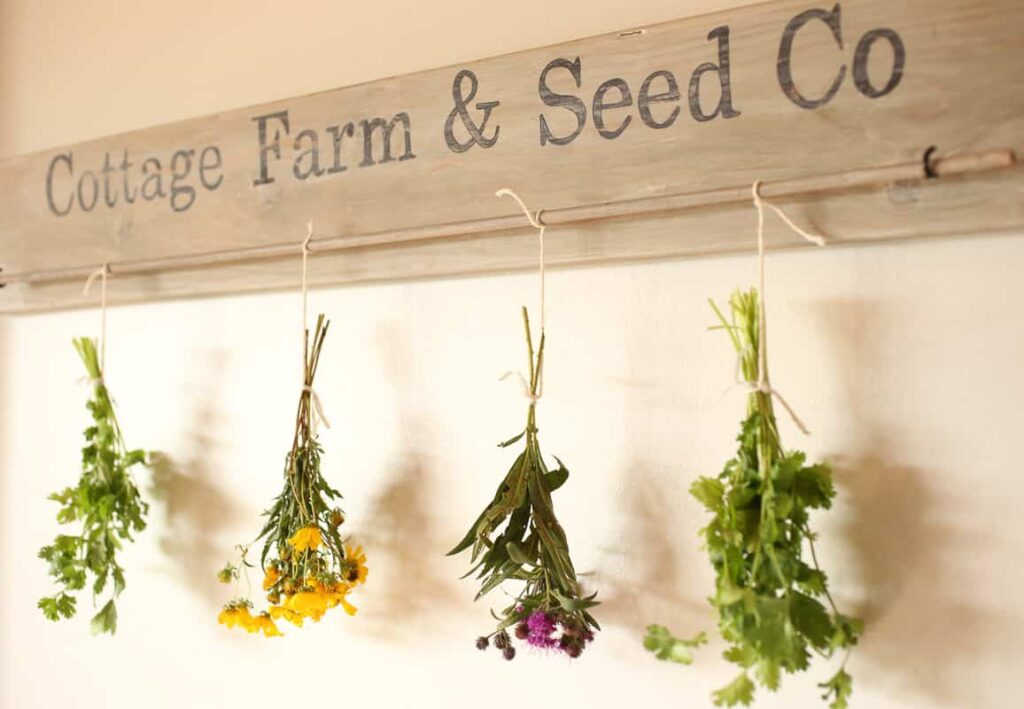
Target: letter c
[(66, 158), (785, 71)]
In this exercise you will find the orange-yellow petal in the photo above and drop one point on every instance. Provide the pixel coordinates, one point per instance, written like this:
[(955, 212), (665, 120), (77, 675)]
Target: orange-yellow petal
[(349, 608), (278, 612), (264, 623)]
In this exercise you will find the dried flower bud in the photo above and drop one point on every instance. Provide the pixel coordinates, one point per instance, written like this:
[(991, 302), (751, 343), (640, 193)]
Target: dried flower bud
[(225, 575), (509, 653), (482, 643), (501, 640), (573, 650), (274, 597), (522, 630), (337, 518)]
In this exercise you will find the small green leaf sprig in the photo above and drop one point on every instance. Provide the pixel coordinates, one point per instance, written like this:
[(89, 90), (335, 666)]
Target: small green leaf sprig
[(550, 612), (106, 502), (769, 599)]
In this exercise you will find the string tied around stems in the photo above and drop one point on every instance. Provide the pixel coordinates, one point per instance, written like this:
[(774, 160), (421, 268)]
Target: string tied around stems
[(763, 383), (536, 221), (318, 416), (102, 273)]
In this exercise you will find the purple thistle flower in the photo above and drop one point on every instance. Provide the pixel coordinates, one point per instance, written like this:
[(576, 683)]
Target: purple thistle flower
[(541, 626)]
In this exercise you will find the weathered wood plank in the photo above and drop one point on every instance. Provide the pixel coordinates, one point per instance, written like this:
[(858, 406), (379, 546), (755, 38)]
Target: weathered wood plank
[(958, 86), (931, 209)]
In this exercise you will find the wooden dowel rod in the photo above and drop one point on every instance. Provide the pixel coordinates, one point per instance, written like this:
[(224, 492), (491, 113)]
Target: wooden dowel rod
[(870, 177)]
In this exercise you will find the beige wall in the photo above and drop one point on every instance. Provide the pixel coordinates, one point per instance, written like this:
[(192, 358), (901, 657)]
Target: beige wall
[(904, 359)]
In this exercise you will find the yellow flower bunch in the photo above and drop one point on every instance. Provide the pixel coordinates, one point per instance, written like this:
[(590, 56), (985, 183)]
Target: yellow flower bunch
[(308, 568), (306, 578), (312, 596)]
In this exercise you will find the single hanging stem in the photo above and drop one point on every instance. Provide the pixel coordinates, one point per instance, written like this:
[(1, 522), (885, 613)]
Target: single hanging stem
[(536, 372)]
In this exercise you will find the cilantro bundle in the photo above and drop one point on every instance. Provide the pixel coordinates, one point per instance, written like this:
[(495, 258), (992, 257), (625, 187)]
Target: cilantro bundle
[(550, 612), (106, 502), (307, 566), (774, 608)]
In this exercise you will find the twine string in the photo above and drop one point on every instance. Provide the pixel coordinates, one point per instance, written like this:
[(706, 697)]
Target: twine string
[(318, 416), (305, 268), (537, 223), (103, 272), (318, 409), (763, 383), (533, 398)]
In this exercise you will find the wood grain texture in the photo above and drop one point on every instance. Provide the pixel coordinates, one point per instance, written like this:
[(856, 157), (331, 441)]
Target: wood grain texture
[(961, 90)]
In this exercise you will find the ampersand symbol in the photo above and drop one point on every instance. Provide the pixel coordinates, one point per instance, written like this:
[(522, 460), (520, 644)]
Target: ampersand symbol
[(476, 134)]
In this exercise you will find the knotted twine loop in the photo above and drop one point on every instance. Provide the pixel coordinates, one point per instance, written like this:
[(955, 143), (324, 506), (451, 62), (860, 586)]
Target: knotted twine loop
[(318, 409), (102, 273), (537, 223), (763, 384)]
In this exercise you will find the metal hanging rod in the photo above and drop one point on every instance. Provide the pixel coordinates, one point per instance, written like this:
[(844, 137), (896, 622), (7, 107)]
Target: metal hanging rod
[(927, 168)]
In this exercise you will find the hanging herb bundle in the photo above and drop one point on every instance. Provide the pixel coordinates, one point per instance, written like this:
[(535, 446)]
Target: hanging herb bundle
[(769, 599), (308, 568), (106, 502), (550, 612)]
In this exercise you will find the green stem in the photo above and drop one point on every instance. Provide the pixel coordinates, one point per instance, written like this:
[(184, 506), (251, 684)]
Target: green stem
[(817, 567)]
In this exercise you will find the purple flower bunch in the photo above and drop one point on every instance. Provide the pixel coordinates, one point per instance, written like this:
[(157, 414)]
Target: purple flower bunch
[(551, 631), (545, 630)]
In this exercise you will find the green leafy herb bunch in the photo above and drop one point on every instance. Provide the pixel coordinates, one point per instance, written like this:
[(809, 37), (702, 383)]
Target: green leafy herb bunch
[(774, 607), (107, 505), (307, 566), (518, 538)]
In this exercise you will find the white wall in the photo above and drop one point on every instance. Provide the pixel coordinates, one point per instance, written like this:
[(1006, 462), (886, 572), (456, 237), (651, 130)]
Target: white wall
[(904, 359)]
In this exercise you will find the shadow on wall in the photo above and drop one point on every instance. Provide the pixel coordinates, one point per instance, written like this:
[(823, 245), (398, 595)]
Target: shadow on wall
[(195, 509), (918, 631), (643, 576), (406, 588)]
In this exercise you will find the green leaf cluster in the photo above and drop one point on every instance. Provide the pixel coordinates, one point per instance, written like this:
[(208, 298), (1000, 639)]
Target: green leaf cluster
[(666, 646), (107, 505), (518, 537), (774, 607)]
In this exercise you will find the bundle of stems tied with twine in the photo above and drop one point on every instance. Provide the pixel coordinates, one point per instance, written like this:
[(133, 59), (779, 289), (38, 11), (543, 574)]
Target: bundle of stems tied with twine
[(517, 538), (106, 501), (308, 568), (771, 602)]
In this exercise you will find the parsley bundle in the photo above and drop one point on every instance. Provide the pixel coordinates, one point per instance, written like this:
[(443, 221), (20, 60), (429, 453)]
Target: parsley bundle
[(105, 501), (550, 611), (308, 568), (769, 599)]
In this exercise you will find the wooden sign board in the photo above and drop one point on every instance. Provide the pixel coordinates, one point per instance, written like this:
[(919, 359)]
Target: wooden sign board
[(779, 91)]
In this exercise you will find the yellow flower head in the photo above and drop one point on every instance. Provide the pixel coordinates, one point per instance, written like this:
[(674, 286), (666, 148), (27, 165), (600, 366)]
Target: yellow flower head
[(239, 615), (306, 538), (308, 604), (336, 596), (272, 577), (354, 568)]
